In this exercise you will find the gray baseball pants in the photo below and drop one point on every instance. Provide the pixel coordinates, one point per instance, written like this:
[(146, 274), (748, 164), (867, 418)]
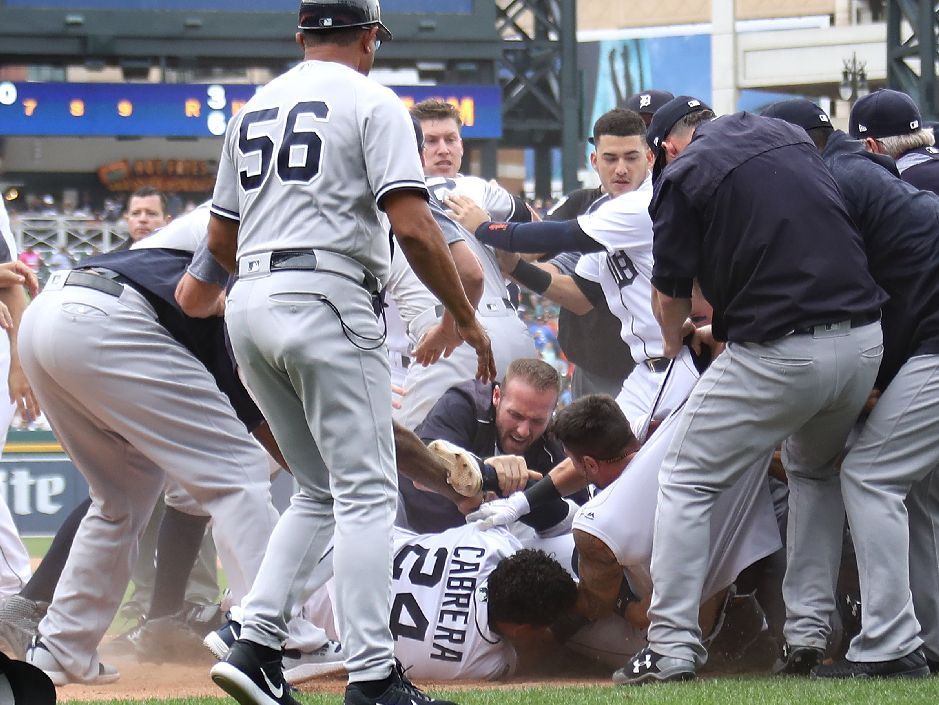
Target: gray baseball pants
[(328, 403), (895, 459), (806, 390), (131, 406)]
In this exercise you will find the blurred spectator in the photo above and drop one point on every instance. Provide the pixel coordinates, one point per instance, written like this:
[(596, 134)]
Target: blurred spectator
[(31, 259), (60, 259)]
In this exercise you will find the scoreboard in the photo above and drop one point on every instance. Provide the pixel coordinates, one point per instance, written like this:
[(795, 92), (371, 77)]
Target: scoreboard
[(439, 7), (187, 110)]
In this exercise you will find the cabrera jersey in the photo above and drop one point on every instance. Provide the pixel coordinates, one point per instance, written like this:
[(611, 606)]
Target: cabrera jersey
[(307, 160), (439, 617), (623, 227)]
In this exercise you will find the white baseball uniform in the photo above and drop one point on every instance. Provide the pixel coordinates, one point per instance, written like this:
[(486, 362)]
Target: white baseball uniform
[(306, 163)]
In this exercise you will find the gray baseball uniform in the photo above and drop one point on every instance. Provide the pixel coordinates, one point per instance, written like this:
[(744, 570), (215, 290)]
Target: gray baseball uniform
[(306, 337), (510, 337), (117, 372)]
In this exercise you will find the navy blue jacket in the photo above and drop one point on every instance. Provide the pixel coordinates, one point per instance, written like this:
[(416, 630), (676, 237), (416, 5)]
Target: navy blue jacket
[(900, 227)]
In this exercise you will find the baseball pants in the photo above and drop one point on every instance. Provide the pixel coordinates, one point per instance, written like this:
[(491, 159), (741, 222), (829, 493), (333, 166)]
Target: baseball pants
[(130, 405), (328, 402), (890, 485), (806, 390), (648, 395)]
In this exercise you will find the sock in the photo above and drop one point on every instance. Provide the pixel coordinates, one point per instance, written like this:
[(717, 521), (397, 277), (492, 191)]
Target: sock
[(177, 547), (41, 587)]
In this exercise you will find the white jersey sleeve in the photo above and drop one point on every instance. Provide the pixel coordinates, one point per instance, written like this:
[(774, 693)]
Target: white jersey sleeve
[(185, 233), (6, 231), (589, 266), (622, 223)]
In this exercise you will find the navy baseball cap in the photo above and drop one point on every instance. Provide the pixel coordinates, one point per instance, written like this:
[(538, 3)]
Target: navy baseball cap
[(799, 111), (647, 102), (22, 683), (884, 113), (664, 120)]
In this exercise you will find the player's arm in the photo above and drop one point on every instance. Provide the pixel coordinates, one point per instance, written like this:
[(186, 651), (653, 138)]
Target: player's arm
[(200, 292), (419, 465), (223, 241), (423, 245), (546, 279), (603, 587), (14, 298)]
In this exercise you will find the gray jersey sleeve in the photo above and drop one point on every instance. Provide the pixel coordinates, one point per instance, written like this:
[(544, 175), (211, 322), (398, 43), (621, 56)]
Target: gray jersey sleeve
[(451, 231), (206, 268), (225, 196), (389, 145)]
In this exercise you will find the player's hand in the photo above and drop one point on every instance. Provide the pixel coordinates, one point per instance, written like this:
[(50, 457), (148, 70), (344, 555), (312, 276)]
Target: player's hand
[(478, 339), (440, 340), (6, 318), (396, 393), (466, 211), (513, 473), (17, 273), (702, 338), (22, 394), (871, 402), (500, 512), (507, 260)]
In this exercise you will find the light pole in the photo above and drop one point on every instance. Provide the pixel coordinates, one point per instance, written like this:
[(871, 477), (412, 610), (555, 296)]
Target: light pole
[(853, 80)]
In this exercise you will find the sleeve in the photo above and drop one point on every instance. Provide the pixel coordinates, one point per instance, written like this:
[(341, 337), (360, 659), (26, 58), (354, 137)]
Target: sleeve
[(588, 266), (206, 268), (7, 241), (451, 231), (499, 202), (225, 201), (676, 242), (452, 418), (566, 262), (620, 223), (392, 160)]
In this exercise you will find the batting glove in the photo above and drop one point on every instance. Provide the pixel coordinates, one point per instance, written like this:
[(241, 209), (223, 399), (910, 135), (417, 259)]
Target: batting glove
[(500, 512)]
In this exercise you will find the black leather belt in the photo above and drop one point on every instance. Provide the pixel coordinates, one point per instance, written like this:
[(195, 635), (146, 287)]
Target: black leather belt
[(100, 279), (307, 260), (858, 321), (657, 364)]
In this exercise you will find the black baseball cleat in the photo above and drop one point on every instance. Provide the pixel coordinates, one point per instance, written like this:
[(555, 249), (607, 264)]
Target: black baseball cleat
[(912, 665), (222, 639), (649, 666), (400, 691), (933, 664), (251, 677), (798, 660)]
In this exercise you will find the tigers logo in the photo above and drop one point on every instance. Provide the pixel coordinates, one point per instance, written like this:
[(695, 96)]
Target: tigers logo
[(498, 226), (645, 100)]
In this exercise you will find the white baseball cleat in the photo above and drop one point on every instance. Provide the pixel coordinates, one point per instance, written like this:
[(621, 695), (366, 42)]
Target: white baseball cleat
[(39, 656), (302, 666), (463, 473)]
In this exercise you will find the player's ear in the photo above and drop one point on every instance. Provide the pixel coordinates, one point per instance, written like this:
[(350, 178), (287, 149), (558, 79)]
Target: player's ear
[(298, 38), (496, 395)]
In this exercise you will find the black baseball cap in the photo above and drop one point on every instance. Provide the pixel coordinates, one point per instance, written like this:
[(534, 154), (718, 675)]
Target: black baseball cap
[(800, 112), (884, 113), (325, 15), (647, 102), (26, 684), (664, 120)]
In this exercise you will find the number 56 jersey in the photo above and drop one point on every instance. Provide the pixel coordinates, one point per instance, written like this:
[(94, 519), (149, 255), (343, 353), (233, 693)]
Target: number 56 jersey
[(439, 616)]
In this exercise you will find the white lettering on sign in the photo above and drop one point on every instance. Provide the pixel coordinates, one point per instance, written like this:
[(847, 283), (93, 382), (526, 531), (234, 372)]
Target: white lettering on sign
[(25, 494)]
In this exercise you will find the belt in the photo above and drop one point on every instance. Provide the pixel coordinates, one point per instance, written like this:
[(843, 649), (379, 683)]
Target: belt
[(399, 359), (311, 261), (97, 278), (657, 364), (489, 307), (858, 321)]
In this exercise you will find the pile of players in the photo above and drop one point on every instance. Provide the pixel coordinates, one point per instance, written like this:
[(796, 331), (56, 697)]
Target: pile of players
[(774, 281)]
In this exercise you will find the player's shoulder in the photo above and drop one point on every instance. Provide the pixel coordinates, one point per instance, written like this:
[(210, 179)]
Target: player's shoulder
[(629, 203)]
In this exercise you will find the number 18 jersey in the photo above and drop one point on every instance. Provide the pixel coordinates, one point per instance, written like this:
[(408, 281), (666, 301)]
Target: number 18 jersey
[(439, 616), (309, 157)]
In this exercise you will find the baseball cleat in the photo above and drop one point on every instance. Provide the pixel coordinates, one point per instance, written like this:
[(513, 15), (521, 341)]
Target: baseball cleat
[(222, 639), (463, 473), (251, 681), (400, 691), (39, 656), (912, 665), (301, 666), (649, 666), (798, 660)]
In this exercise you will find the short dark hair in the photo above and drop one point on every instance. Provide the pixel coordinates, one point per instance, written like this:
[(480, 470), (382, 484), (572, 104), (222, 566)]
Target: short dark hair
[(433, 109), (146, 192), (594, 425), (341, 36), (820, 135), (692, 119), (529, 587), (538, 373), (619, 122)]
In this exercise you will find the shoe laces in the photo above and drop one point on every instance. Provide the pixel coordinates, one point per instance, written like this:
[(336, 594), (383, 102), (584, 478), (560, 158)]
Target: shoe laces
[(406, 684)]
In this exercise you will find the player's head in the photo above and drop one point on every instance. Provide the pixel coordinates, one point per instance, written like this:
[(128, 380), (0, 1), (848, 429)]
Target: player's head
[(672, 128), (353, 27), (146, 211), (647, 102), (596, 437), (805, 114), (443, 146), (889, 122), (524, 403), (620, 156), (527, 590)]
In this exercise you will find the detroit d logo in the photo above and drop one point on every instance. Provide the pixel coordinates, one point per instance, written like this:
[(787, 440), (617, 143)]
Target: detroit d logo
[(645, 100)]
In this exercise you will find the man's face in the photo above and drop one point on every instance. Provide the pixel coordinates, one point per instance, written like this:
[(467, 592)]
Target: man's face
[(443, 147), (622, 163), (144, 215), (522, 414), (676, 143)]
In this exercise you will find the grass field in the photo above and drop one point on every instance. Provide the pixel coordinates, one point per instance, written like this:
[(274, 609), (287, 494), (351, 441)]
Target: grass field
[(715, 691)]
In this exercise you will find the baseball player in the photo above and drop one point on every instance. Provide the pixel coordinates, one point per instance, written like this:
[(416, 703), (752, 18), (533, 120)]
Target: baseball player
[(805, 345), (429, 334), (307, 164), (619, 231)]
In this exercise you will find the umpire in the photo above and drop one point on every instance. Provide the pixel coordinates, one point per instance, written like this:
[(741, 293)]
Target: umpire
[(889, 479), (749, 209)]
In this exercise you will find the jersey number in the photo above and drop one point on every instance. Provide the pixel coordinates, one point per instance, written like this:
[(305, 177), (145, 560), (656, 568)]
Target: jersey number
[(622, 268), (407, 617), (296, 145)]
